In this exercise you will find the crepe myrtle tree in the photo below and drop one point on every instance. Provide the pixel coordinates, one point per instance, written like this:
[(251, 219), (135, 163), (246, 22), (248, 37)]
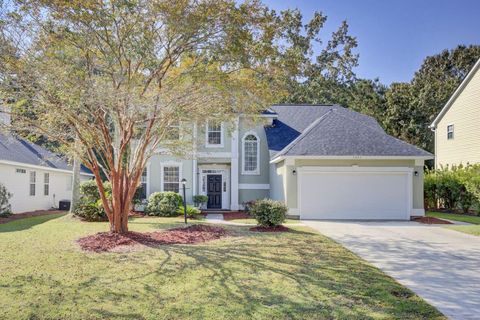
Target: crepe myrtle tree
[(110, 79)]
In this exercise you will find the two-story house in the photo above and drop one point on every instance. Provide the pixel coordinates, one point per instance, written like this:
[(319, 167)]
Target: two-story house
[(323, 161), (457, 126)]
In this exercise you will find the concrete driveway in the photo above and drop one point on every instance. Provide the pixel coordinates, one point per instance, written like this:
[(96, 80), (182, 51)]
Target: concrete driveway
[(440, 265)]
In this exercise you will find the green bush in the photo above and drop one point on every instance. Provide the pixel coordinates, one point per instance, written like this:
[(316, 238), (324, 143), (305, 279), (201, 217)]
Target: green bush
[(90, 207), (5, 208), (192, 212), (269, 212), (200, 199), (452, 188), (90, 211), (163, 204)]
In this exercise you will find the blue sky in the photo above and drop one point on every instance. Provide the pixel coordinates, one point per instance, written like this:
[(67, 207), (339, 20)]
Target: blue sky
[(394, 36)]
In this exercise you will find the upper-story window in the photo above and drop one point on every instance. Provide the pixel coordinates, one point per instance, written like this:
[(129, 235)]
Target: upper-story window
[(251, 157), (450, 132), (214, 134), (173, 131)]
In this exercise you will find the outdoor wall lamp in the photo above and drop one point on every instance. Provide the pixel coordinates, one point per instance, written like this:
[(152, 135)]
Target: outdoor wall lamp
[(416, 173), (294, 172)]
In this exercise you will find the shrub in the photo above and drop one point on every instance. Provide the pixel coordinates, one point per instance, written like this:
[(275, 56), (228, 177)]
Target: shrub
[(452, 188), (192, 212), (247, 205), (269, 212), (163, 204), (90, 206), (90, 211), (5, 208), (200, 199)]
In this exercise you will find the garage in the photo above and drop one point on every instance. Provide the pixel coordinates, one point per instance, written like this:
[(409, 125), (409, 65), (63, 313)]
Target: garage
[(355, 193)]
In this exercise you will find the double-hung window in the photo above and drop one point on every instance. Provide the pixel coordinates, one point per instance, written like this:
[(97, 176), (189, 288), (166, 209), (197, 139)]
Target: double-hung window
[(46, 184), (450, 132), (33, 179), (250, 154), (171, 178), (214, 134), (143, 184)]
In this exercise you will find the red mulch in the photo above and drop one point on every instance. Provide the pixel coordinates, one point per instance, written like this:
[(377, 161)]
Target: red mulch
[(106, 241), (235, 215), (270, 229), (431, 220), (17, 216)]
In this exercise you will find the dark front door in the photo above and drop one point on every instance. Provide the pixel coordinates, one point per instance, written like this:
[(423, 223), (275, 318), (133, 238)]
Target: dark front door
[(214, 191)]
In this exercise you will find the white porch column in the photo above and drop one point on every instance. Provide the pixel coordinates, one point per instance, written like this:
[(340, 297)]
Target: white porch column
[(234, 169), (194, 161)]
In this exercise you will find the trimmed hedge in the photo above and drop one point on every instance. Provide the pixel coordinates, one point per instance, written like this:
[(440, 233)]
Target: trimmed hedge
[(90, 207), (268, 212), (455, 188), (164, 204)]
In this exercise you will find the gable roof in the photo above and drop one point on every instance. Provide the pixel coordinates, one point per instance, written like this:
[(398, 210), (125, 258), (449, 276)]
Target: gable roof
[(15, 149), (455, 94), (331, 130), (292, 120)]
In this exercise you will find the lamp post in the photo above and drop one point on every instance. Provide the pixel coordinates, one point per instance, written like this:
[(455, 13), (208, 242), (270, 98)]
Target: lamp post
[(184, 182)]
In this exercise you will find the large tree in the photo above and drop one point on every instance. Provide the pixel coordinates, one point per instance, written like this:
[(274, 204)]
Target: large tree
[(110, 80), (412, 106)]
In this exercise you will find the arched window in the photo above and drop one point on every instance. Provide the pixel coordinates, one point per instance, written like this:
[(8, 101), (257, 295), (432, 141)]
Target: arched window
[(250, 154)]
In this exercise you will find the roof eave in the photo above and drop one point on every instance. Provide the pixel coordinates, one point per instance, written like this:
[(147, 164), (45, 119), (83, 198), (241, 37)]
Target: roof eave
[(279, 158), (455, 94)]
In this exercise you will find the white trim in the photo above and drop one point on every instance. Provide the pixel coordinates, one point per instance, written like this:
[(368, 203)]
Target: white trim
[(225, 173), (418, 212), (147, 189), (406, 170), (32, 166), (280, 158), (254, 186), (234, 167), (419, 162), (455, 95), (222, 133), (214, 154), (257, 171), (178, 164)]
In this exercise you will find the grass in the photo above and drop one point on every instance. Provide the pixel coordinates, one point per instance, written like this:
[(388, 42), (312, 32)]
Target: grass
[(295, 275), (473, 229)]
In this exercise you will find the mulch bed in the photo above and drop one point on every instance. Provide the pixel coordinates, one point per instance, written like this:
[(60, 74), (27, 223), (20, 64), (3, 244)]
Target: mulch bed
[(431, 220), (17, 216), (106, 241), (270, 229), (236, 215)]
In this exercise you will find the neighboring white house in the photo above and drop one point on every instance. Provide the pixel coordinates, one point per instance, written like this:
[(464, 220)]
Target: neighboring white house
[(37, 178), (457, 126)]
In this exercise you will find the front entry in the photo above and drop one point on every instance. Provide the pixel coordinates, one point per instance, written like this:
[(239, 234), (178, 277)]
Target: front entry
[(214, 191)]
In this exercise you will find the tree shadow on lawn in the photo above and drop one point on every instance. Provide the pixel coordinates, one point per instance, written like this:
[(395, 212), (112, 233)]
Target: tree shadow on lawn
[(27, 223), (316, 279)]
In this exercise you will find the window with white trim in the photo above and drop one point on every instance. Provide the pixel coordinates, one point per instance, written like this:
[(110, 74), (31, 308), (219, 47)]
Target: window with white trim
[(173, 131), (250, 154), (33, 179), (20, 171), (450, 132), (214, 133), (46, 184), (143, 185), (171, 178)]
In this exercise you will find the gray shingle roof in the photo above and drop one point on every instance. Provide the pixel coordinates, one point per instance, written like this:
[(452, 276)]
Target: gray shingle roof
[(15, 149), (332, 131)]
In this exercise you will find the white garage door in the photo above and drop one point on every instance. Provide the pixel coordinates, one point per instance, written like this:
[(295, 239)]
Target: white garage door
[(355, 193)]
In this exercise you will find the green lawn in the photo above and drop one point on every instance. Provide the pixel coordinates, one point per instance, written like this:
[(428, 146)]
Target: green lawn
[(455, 216), (473, 229), (296, 275)]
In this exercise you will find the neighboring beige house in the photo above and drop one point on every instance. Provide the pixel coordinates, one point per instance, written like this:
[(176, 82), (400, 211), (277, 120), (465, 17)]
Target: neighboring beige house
[(457, 126)]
